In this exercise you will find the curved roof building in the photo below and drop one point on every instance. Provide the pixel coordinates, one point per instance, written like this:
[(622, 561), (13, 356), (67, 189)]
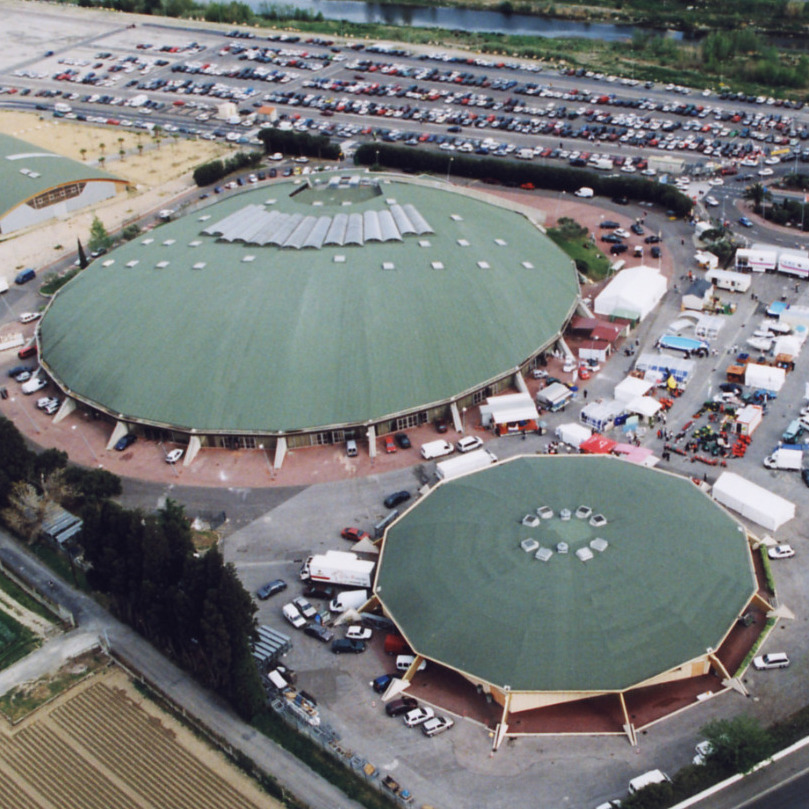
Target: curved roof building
[(298, 311), (574, 606), (39, 185)]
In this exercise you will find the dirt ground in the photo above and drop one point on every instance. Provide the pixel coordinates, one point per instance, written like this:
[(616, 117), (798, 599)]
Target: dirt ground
[(158, 171)]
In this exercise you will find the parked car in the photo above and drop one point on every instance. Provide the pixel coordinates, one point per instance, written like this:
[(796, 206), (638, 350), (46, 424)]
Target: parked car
[(653, 239), (19, 369), (174, 455), (30, 317), (655, 252), (436, 725), (402, 440), (359, 632), (617, 249), (380, 684), (354, 534), (781, 552), (304, 607), (25, 276), (125, 441), (441, 425), (318, 590), (469, 443), (745, 222), (291, 613), (773, 660), (418, 715), (390, 444), (319, 632), (704, 749), (346, 645), (397, 498), (398, 707), (271, 588), (608, 224)]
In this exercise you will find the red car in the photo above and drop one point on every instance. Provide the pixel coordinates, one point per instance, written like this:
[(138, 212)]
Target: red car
[(390, 444), (354, 534)]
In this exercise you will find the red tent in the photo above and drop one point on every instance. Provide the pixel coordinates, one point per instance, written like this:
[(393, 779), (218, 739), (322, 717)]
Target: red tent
[(597, 445)]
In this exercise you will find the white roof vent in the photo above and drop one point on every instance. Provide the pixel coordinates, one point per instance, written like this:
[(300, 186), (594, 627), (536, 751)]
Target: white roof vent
[(132, 263), (528, 265), (169, 242), (204, 217), (564, 514), (543, 554), (500, 242), (463, 242), (437, 265), (195, 243), (200, 265), (599, 545), (531, 520), (584, 554), (388, 265), (162, 265), (584, 512), (562, 547), (598, 521), (484, 265), (147, 241), (529, 545), (456, 217), (108, 263), (424, 243), (339, 259)]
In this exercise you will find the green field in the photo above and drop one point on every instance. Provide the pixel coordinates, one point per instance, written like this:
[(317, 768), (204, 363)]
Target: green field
[(15, 641)]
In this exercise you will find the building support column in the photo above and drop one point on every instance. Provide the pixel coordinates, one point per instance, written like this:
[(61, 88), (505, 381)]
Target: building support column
[(120, 430), (371, 433), (583, 309), (519, 382), (66, 408), (457, 421), (566, 349), (194, 446), (280, 452), (629, 728), (502, 726)]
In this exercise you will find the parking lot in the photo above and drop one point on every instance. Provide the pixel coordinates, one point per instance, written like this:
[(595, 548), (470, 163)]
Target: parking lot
[(455, 767)]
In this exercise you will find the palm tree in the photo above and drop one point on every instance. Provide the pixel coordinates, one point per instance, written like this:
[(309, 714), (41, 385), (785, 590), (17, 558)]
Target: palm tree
[(756, 193), (101, 161), (140, 149), (83, 153), (102, 146), (121, 153)]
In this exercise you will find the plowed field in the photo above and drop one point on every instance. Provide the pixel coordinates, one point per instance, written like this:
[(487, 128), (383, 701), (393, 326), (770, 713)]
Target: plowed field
[(103, 747)]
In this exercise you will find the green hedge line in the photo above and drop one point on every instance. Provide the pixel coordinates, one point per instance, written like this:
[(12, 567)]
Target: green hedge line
[(517, 172)]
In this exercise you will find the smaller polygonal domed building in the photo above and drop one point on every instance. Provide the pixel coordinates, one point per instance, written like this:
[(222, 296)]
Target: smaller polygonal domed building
[(635, 580)]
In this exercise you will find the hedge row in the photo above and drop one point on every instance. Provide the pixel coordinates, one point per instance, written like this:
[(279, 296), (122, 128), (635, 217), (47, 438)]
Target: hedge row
[(209, 173)]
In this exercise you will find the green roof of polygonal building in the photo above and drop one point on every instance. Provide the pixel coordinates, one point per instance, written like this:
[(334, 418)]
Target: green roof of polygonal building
[(27, 170), (207, 323), (675, 575)]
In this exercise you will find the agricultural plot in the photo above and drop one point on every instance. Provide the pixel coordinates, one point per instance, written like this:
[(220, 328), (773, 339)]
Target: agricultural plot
[(15, 640), (98, 749)]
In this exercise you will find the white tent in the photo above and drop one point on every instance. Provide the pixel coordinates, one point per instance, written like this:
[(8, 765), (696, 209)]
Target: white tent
[(573, 434), (601, 414), (764, 376), (632, 387), (757, 504), (789, 344), (645, 406), (631, 294)]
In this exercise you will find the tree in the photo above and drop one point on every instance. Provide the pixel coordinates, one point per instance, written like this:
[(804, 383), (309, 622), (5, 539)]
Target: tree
[(757, 194), (99, 238), (738, 743), (15, 458), (83, 153)]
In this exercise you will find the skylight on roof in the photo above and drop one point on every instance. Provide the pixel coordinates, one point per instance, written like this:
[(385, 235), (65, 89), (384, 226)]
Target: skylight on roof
[(484, 265), (132, 263), (204, 217), (169, 242), (437, 265), (147, 241), (200, 265), (463, 243), (455, 217), (195, 243), (500, 242), (388, 265), (528, 265), (248, 259), (162, 264), (340, 259)]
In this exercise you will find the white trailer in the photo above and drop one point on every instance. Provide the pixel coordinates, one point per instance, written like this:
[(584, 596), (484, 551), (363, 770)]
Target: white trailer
[(764, 376), (725, 279), (794, 264), (573, 434), (753, 502), (464, 464), (756, 260), (338, 567)]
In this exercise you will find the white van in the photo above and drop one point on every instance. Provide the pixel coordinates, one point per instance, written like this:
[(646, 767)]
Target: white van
[(436, 449), (469, 443), (403, 663), (774, 660), (584, 193), (648, 778), (351, 448)]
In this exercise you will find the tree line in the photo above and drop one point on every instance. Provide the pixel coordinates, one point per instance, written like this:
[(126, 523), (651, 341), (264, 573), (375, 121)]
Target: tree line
[(193, 608)]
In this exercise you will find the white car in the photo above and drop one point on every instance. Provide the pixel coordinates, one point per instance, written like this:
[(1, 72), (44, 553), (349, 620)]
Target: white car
[(436, 725), (711, 201), (781, 552), (52, 406), (773, 660), (767, 172), (34, 384), (469, 443), (417, 716), (294, 617), (304, 607), (621, 233), (30, 317), (276, 156), (357, 632), (174, 455)]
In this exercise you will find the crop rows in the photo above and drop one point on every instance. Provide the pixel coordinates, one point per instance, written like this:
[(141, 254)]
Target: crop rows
[(144, 756), (13, 795), (43, 759)]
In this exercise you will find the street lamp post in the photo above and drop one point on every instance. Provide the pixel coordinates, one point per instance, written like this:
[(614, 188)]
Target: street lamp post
[(86, 442), (449, 167)]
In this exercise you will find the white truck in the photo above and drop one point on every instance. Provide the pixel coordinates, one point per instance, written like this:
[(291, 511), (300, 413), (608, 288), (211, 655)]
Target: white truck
[(783, 458), (463, 464), (348, 600), (436, 449), (601, 163), (338, 567)]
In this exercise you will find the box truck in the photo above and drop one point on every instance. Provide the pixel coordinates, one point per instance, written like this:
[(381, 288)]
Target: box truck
[(785, 459), (338, 567)]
